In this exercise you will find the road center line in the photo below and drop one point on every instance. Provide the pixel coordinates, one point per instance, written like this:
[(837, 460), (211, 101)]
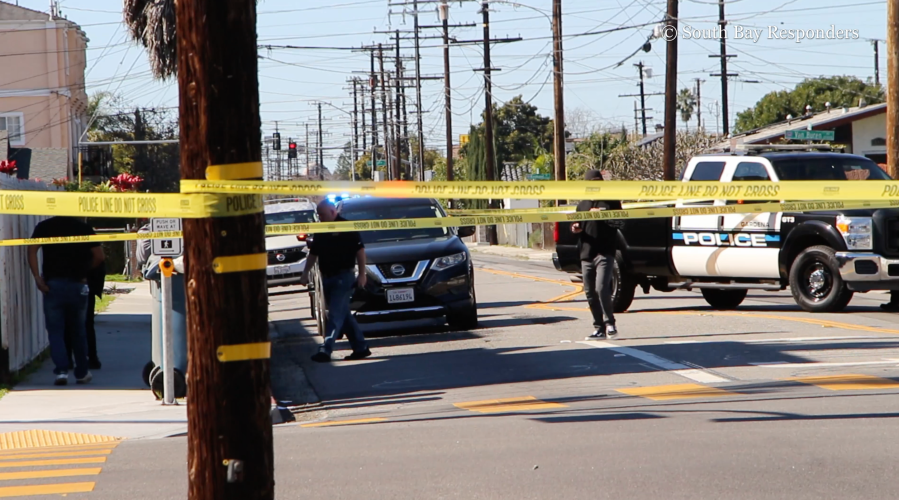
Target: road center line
[(660, 362)]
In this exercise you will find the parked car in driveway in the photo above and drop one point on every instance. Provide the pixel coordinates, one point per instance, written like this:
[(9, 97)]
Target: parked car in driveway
[(287, 253), (413, 273)]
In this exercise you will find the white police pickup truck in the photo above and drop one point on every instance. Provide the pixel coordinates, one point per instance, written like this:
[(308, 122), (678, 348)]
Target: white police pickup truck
[(287, 253), (824, 257)]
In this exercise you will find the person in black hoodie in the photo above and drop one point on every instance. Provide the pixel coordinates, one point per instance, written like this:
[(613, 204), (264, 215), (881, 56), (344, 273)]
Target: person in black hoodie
[(597, 244)]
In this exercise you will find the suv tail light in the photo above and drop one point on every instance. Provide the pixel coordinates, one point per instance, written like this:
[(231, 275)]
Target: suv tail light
[(556, 232), (301, 237)]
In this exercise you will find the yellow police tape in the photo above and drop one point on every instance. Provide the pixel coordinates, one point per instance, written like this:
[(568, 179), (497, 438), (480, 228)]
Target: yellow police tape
[(565, 208), (566, 190), (486, 220), (130, 205)]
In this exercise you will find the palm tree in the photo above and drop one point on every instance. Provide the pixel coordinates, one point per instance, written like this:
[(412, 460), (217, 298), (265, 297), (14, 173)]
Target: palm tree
[(686, 104), (152, 24)]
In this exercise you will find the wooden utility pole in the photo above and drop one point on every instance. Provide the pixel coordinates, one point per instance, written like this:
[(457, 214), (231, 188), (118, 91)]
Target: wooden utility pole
[(400, 113), (724, 56), (488, 115), (355, 126), (321, 146), (641, 68), (876, 44), (893, 88), (670, 137), (228, 415), (373, 83), (419, 116), (558, 96), (386, 104), (699, 83), (447, 95)]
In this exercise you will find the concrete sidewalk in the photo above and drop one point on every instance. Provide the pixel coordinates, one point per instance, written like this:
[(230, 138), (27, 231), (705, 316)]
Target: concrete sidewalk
[(512, 252), (117, 402)]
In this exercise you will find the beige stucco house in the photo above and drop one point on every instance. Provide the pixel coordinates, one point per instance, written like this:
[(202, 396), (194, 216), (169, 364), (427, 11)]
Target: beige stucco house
[(43, 102)]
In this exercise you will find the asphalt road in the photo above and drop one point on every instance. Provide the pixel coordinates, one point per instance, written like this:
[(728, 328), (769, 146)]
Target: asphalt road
[(763, 402)]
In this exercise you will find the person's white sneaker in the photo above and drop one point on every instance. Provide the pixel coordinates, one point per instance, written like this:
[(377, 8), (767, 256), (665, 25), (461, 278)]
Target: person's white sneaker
[(597, 335), (611, 332), (61, 379), (85, 379)]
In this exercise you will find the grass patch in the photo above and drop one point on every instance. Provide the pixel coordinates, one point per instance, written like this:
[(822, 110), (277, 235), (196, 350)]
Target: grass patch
[(22, 374), (102, 303), (121, 278)]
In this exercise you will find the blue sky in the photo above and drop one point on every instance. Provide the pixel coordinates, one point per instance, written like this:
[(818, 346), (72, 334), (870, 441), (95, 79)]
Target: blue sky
[(292, 80)]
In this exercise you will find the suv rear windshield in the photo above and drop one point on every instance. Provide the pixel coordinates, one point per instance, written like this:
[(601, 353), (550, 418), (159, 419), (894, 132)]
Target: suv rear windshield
[(836, 168), (299, 217), (398, 212)]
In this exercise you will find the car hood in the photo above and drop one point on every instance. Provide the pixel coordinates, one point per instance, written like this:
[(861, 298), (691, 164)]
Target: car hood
[(282, 242), (412, 250)]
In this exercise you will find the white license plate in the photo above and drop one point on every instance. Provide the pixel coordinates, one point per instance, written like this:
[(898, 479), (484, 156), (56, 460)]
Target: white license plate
[(281, 270), (400, 295)]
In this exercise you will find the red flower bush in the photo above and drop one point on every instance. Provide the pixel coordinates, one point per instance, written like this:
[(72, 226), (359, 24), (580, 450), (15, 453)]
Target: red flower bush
[(125, 182), (8, 167)]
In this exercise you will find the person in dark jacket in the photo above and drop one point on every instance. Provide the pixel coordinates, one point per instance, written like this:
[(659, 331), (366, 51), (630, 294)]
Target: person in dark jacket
[(597, 243), (95, 282), (337, 254)]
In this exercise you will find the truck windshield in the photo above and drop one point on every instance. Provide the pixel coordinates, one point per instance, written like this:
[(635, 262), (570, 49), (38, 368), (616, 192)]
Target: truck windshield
[(396, 212), (834, 168), (299, 217)]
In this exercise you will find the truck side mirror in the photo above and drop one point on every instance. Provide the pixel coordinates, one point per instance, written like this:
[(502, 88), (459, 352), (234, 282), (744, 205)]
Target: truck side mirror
[(465, 231)]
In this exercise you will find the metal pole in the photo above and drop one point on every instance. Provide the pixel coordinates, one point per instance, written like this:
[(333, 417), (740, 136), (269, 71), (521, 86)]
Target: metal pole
[(166, 266), (321, 152), (671, 96), (893, 88), (444, 14), (421, 132), (642, 97), (558, 96), (722, 23), (876, 62)]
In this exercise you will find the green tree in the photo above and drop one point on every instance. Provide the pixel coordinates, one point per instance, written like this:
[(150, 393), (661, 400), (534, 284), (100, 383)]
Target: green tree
[(157, 164), (593, 153), (519, 133), (839, 91), (686, 104), (476, 163)]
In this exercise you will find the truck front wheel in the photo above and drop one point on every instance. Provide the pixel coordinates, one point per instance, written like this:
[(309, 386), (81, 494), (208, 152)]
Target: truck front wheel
[(815, 281), (723, 300), (624, 286)]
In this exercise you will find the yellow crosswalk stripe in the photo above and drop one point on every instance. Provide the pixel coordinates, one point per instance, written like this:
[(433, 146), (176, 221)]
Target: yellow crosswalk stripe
[(676, 391), (45, 489), (60, 461), (527, 403), (56, 454), (37, 438), (851, 382), (345, 422), (43, 474), (77, 447)]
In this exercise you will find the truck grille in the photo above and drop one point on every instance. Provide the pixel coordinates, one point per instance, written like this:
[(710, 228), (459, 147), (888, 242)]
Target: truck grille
[(892, 234), (291, 255)]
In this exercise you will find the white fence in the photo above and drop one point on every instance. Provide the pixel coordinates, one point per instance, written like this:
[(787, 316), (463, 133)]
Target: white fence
[(22, 327)]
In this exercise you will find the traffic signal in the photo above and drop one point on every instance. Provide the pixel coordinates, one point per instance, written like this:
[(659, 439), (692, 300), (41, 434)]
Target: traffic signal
[(291, 149), (276, 141)]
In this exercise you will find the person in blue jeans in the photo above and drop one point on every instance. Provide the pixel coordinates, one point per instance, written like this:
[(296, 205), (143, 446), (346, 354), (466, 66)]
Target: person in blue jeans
[(336, 255), (63, 279)]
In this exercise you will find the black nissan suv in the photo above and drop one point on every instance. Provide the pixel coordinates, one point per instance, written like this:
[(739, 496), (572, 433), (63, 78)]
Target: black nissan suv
[(413, 273)]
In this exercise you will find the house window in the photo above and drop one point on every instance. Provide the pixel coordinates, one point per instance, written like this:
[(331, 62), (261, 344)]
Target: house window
[(878, 141), (14, 124)]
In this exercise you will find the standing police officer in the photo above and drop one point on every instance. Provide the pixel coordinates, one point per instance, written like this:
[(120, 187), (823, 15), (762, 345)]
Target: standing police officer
[(336, 253)]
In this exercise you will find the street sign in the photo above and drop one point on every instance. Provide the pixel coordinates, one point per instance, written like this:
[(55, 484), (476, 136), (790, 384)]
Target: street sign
[(169, 247), (539, 177), (810, 135), (381, 163)]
